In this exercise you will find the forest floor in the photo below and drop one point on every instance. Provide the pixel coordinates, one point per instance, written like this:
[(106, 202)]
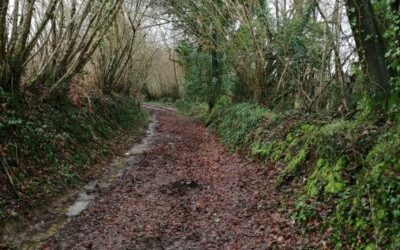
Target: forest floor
[(186, 192)]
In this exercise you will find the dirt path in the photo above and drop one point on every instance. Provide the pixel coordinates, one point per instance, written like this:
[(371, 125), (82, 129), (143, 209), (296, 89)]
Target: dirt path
[(187, 192)]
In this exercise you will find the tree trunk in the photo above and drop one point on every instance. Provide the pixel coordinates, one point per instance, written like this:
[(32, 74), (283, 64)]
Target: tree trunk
[(3, 30), (10, 79), (216, 73), (370, 45)]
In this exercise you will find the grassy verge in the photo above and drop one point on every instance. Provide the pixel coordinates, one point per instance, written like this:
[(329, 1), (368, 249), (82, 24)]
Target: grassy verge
[(348, 170), (47, 148)]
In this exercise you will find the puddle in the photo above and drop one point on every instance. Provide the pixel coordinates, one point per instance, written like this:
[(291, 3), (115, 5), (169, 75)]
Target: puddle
[(86, 196), (33, 236), (146, 143), (80, 204)]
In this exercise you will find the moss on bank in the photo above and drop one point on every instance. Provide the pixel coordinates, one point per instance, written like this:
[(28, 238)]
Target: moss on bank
[(349, 169), (49, 147)]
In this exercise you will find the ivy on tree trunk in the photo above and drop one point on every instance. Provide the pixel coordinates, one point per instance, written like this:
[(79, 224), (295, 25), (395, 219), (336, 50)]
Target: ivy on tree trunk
[(370, 44)]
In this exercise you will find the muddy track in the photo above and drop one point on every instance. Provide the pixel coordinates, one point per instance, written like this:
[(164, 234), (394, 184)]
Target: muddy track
[(185, 192)]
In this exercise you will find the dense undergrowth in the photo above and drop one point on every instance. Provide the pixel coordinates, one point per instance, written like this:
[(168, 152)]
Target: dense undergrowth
[(348, 169), (48, 147)]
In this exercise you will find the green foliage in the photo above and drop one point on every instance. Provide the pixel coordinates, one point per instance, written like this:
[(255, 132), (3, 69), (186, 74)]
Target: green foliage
[(390, 25), (199, 111), (239, 121), (326, 179), (365, 107), (52, 146), (362, 188), (389, 22), (200, 87), (350, 168), (197, 67), (303, 211), (392, 35), (287, 142), (374, 204), (298, 40)]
